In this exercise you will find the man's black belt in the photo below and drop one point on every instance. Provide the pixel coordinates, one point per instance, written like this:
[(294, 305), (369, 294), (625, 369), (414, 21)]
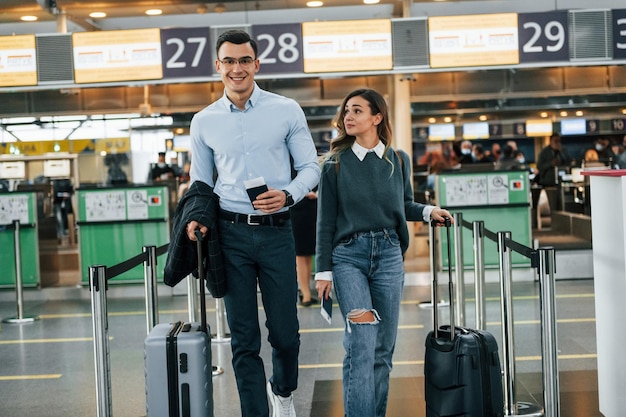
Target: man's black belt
[(277, 219)]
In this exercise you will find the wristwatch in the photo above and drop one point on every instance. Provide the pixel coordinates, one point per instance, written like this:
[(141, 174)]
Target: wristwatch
[(289, 200)]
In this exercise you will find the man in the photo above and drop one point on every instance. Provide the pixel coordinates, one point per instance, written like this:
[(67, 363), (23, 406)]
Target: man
[(247, 134), (550, 157), (161, 171)]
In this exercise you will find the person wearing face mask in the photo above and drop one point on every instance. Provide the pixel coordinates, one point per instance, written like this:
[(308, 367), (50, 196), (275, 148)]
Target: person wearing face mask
[(466, 153), (161, 171), (602, 146)]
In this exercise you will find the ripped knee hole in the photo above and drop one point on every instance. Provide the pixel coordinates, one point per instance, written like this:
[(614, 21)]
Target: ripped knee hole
[(362, 316)]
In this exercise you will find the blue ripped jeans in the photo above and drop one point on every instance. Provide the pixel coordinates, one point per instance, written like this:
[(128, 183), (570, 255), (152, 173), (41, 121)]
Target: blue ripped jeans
[(368, 275)]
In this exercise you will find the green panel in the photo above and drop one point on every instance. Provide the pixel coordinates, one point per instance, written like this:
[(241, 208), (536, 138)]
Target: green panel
[(119, 204), (112, 243), (501, 200), (22, 207), (483, 188), (115, 224)]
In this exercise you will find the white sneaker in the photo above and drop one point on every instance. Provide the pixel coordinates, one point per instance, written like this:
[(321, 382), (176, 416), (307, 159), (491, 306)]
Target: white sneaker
[(281, 406)]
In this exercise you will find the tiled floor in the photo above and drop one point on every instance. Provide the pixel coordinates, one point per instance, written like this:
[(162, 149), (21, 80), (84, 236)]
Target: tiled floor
[(47, 367)]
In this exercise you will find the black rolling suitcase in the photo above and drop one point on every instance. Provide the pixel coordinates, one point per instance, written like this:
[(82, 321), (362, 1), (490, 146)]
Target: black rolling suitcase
[(178, 365), (462, 373)]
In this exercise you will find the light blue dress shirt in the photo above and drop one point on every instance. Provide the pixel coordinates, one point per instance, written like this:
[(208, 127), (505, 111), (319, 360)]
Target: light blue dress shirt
[(255, 142)]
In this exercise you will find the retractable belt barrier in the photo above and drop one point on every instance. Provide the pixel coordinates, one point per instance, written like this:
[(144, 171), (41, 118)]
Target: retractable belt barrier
[(98, 285), (543, 260), (19, 293)]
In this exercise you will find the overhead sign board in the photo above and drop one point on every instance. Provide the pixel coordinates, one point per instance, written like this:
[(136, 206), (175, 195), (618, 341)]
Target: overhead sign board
[(18, 62), (470, 41), (117, 55), (351, 45)]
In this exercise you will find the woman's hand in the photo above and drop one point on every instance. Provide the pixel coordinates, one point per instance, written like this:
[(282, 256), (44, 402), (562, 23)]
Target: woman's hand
[(323, 289)]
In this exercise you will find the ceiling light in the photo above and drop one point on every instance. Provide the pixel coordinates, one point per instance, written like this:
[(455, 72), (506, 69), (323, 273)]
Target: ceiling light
[(28, 18), (447, 119), (579, 113), (482, 117), (431, 120), (154, 12), (314, 3), (563, 113), (219, 8), (202, 9), (623, 111), (543, 114), (97, 15), (371, 1)]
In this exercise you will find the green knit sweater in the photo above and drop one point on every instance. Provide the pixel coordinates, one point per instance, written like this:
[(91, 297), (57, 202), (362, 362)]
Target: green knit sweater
[(358, 196)]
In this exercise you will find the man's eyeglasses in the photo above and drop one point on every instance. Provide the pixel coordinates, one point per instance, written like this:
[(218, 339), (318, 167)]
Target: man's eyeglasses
[(231, 62)]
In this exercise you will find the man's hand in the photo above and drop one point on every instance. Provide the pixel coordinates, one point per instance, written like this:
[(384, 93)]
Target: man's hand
[(270, 201), (192, 226)]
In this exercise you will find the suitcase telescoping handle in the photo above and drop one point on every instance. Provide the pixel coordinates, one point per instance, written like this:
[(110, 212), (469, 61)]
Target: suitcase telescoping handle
[(447, 224), (203, 323)]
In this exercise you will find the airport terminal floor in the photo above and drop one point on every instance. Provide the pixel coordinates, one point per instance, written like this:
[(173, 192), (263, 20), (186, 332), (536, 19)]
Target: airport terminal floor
[(47, 366)]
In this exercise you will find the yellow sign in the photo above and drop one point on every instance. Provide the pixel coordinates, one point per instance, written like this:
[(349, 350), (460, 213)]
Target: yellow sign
[(352, 45), (113, 145), (117, 55), (18, 62), (475, 40)]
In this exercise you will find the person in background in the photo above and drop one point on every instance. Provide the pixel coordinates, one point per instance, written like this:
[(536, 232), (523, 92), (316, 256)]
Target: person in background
[(478, 154), (508, 160), (466, 153), (495, 153), (621, 154), (551, 157), (303, 221), (250, 133), (365, 199), (161, 171), (602, 146)]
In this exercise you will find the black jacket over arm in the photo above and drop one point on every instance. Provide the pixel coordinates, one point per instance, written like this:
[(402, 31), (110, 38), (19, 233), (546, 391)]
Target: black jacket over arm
[(201, 204)]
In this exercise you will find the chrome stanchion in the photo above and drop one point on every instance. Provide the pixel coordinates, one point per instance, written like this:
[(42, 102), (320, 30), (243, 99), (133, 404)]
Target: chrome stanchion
[(459, 269), (220, 323), (433, 273), (150, 281), (511, 406), (508, 345), (548, 333), (220, 336), (20, 318), (98, 287), (192, 298), (478, 228)]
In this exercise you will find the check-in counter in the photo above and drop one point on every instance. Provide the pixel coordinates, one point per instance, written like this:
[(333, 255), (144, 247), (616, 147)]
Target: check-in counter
[(22, 207), (114, 224), (501, 199)]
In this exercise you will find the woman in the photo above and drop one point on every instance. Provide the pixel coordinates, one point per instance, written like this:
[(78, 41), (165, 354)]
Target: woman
[(364, 200)]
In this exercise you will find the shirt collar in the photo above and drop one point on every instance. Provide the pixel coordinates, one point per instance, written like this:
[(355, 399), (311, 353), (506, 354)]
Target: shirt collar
[(254, 97), (360, 151)]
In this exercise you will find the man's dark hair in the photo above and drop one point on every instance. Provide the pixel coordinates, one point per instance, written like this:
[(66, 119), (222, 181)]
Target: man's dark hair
[(238, 37)]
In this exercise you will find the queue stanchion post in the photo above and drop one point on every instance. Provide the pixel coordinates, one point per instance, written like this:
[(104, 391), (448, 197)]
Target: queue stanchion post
[(549, 333), (99, 314), (512, 407), (220, 326), (478, 228), (192, 298), (19, 291), (150, 285), (459, 269)]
